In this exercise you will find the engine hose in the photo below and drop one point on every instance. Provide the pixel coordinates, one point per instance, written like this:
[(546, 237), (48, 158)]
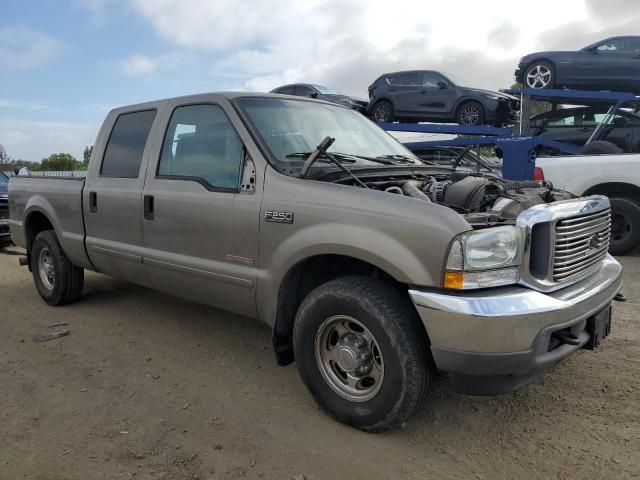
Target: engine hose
[(410, 189), (396, 190)]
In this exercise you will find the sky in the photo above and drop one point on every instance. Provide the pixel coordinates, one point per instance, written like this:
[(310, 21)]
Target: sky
[(65, 64)]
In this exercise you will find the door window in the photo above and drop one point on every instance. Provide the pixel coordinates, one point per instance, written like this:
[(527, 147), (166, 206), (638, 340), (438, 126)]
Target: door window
[(201, 144), (406, 79), (304, 91), (431, 79), (125, 146), (620, 45)]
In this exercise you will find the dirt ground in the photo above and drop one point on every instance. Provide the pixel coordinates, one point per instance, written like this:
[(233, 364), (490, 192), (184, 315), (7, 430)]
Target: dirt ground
[(147, 386)]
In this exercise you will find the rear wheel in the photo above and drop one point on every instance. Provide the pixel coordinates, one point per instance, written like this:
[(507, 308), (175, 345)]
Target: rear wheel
[(470, 113), (58, 281), (383, 112), (625, 225), (362, 353), (539, 75)]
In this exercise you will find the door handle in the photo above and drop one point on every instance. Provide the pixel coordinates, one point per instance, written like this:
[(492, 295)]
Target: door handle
[(93, 202), (148, 207)]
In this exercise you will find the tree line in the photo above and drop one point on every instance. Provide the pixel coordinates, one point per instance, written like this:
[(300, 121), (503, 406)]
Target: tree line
[(54, 162)]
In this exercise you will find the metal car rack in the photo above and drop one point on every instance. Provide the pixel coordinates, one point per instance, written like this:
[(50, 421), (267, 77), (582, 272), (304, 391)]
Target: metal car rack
[(518, 150)]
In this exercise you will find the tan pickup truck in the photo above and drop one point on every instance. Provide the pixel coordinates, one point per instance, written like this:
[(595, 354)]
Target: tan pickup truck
[(374, 269)]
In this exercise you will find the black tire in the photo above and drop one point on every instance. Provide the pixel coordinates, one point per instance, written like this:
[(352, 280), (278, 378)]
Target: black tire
[(388, 314), (470, 113), (383, 111), (65, 282), (543, 81), (625, 228), (600, 147)]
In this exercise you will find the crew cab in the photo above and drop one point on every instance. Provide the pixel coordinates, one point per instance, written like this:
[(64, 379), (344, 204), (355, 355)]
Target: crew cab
[(373, 268)]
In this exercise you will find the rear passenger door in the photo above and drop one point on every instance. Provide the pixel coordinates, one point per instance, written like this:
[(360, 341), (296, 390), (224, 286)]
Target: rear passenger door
[(112, 198), (405, 88), (201, 208)]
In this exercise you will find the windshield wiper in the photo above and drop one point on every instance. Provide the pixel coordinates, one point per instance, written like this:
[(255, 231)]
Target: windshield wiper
[(343, 157), (321, 149), (406, 159)]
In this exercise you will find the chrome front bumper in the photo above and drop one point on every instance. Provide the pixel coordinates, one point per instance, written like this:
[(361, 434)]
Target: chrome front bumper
[(506, 331)]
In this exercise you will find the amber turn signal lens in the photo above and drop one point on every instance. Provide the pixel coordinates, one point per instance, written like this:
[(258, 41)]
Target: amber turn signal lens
[(453, 280)]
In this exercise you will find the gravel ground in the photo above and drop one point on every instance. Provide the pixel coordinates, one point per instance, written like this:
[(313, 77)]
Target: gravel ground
[(147, 386)]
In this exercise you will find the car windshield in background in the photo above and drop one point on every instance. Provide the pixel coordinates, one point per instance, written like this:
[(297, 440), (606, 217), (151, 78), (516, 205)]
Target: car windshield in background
[(3, 178), (326, 90), (290, 127)]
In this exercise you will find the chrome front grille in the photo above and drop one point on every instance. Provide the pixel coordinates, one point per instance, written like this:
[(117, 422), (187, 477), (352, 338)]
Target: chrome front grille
[(580, 243), (564, 241)]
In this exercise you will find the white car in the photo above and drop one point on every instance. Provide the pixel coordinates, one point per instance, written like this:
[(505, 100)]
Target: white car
[(616, 176)]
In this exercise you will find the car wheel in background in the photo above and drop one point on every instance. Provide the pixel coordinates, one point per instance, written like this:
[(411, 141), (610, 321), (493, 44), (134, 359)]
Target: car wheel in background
[(57, 280), (625, 225), (383, 112), (540, 75), (600, 147), (362, 352), (470, 113)]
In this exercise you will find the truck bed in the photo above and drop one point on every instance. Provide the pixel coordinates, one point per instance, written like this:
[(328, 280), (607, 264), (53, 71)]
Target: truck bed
[(60, 200)]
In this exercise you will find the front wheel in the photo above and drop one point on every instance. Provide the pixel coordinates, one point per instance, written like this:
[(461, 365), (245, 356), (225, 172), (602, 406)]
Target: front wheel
[(57, 280), (362, 352), (470, 113), (540, 75), (383, 112), (625, 225)]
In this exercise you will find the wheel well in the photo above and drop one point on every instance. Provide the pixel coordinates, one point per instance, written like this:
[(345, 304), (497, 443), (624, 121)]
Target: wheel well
[(300, 280), (541, 59), (36, 222), (615, 189)]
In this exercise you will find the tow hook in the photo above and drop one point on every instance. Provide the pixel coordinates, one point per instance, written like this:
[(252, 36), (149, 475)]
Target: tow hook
[(567, 337), (620, 297)]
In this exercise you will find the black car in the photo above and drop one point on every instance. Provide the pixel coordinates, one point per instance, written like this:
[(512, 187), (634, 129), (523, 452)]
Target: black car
[(611, 64), (430, 96), (323, 93), (5, 235), (576, 125)]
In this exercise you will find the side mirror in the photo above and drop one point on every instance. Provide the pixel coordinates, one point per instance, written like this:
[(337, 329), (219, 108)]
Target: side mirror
[(313, 94), (442, 85)]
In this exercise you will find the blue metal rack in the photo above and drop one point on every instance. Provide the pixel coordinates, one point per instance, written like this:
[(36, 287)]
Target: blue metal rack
[(518, 150)]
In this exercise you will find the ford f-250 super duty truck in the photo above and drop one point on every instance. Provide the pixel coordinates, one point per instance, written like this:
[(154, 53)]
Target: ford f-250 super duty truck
[(373, 268)]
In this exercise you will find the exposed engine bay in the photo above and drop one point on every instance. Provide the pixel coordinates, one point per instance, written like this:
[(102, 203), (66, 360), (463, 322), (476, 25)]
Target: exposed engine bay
[(484, 200)]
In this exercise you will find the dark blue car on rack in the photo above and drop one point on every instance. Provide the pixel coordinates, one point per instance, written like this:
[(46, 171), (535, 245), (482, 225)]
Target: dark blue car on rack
[(611, 64)]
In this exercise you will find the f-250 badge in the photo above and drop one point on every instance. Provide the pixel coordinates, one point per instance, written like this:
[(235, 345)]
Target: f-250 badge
[(278, 217)]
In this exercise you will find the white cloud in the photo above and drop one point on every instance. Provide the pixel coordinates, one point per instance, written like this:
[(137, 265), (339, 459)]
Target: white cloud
[(35, 140), (138, 64), (22, 48)]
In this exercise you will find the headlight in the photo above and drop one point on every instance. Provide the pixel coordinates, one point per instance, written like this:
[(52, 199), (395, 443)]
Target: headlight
[(484, 258)]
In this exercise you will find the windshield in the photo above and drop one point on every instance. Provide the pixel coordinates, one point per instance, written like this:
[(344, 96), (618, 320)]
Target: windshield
[(326, 90), (289, 127), (456, 79), (3, 178)]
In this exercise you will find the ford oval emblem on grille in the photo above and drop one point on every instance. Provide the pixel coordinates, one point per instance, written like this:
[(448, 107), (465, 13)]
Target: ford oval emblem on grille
[(593, 241)]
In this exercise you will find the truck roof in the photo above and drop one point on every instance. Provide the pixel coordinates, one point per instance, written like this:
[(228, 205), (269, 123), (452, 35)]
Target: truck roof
[(208, 96)]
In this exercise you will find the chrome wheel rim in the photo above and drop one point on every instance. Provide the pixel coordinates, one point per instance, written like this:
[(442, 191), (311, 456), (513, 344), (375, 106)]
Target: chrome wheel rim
[(382, 113), (46, 269), (538, 76), (349, 358), (469, 115)]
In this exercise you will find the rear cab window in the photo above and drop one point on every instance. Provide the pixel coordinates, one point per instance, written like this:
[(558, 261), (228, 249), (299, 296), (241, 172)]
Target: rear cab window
[(126, 144)]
